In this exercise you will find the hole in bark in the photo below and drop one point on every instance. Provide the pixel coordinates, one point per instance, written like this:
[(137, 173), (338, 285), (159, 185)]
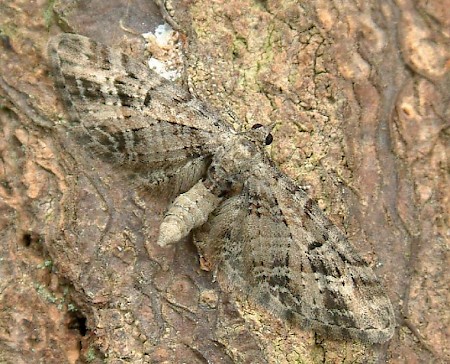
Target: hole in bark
[(32, 241), (78, 322), (27, 240)]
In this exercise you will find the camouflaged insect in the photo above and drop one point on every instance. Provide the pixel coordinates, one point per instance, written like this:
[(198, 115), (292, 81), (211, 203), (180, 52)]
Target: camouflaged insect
[(261, 229)]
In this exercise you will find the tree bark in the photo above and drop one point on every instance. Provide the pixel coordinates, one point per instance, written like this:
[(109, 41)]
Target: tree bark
[(361, 95)]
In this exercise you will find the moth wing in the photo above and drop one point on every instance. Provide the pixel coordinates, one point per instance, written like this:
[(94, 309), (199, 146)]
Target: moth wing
[(126, 113), (275, 245)]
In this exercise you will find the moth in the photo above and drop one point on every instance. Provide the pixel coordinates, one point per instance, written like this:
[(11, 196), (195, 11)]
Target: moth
[(268, 237)]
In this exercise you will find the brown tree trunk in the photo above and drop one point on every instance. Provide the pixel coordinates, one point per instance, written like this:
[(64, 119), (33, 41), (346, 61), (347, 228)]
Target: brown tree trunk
[(361, 94)]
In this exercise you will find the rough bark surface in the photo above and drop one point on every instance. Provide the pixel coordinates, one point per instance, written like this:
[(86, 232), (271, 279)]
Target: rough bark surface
[(361, 94)]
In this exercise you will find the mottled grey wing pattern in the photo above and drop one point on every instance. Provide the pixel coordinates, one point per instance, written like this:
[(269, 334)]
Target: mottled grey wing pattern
[(271, 240), (285, 254), (124, 112)]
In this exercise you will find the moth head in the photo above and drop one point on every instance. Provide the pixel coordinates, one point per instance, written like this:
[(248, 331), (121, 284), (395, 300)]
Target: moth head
[(262, 134)]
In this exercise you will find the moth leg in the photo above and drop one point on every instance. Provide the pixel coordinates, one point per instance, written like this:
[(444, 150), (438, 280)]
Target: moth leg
[(189, 210)]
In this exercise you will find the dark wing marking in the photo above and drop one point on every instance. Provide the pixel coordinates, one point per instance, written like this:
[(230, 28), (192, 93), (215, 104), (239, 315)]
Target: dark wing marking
[(276, 245)]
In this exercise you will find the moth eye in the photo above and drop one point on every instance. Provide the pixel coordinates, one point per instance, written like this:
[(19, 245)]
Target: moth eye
[(269, 139), (256, 126)]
